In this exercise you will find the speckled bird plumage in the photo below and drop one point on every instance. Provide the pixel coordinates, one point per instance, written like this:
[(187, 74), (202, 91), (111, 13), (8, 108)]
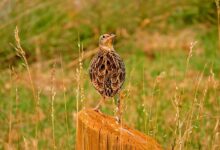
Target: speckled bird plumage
[(107, 70)]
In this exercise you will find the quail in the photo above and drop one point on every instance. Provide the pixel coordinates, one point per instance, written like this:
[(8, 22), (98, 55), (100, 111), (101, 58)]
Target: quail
[(107, 71)]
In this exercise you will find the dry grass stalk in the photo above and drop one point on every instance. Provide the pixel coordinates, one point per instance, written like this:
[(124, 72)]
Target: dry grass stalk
[(21, 53), (53, 94), (184, 127), (217, 2), (79, 90), (216, 134), (192, 44), (65, 99)]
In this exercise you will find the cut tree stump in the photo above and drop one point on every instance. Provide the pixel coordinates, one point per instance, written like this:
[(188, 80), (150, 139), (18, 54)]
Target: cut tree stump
[(96, 131)]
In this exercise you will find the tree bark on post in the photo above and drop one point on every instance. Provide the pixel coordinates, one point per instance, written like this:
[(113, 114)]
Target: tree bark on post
[(97, 131)]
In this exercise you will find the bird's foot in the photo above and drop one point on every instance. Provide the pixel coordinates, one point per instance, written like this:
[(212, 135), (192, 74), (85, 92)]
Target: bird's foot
[(118, 120), (97, 110)]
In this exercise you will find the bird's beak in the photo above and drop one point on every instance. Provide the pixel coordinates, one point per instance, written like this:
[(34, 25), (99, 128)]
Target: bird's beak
[(110, 39), (112, 36)]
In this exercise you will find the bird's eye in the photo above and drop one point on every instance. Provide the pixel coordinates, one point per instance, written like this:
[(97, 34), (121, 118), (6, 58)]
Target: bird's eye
[(103, 36)]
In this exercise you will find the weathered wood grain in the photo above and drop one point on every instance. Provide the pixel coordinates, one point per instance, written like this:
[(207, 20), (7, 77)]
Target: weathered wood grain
[(96, 131)]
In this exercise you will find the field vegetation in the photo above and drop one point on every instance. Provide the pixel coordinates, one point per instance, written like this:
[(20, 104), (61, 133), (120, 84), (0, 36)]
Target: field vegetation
[(170, 49)]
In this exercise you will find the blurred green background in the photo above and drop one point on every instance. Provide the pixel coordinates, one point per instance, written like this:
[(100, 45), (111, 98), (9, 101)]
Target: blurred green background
[(171, 90)]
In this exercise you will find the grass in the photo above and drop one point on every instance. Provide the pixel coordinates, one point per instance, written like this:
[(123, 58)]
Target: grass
[(171, 91)]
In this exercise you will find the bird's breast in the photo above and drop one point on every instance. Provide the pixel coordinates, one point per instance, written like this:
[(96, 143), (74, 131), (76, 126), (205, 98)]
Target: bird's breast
[(107, 73)]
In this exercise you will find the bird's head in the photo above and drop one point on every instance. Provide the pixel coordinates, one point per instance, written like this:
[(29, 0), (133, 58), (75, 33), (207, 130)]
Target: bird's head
[(106, 41)]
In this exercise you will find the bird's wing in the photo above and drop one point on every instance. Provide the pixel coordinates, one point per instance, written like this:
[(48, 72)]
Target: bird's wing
[(121, 72), (115, 75), (97, 72)]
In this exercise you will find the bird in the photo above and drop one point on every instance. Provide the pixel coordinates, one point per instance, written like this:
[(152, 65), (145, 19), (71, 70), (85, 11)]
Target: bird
[(107, 72)]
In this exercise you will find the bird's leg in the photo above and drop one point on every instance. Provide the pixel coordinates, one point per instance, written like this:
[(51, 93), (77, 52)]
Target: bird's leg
[(97, 108), (119, 108)]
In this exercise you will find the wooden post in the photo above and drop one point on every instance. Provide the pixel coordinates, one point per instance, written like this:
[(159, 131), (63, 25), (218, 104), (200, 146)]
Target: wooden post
[(98, 131)]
